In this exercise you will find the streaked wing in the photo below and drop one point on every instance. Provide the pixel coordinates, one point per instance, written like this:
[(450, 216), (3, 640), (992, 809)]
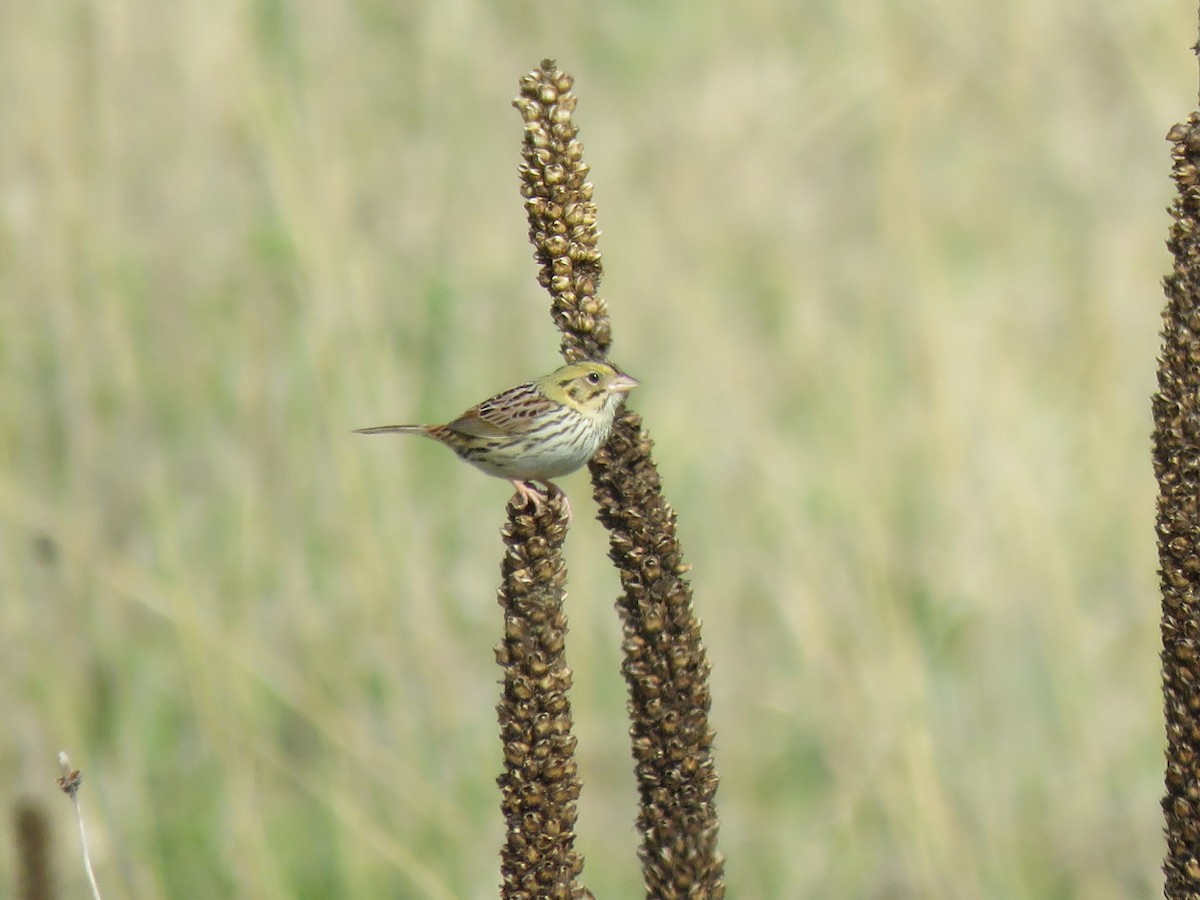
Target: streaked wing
[(514, 412), (471, 425)]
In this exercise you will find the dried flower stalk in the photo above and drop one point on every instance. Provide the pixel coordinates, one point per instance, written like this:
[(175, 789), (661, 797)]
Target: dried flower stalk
[(1177, 468), (562, 216), (666, 666), (539, 785)]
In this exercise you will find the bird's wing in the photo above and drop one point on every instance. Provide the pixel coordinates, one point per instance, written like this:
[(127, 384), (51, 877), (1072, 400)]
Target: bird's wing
[(511, 413), (472, 424)]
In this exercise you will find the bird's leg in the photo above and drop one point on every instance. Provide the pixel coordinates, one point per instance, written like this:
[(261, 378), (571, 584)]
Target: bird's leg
[(528, 493), (531, 496)]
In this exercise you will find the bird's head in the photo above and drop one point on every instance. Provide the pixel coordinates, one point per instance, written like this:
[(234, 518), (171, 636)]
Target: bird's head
[(592, 388)]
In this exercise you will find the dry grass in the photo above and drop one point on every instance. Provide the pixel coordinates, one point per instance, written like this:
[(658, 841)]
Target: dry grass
[(890, 278)]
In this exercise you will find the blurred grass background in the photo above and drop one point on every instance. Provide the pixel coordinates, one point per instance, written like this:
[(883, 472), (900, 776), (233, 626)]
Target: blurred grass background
[(889, 274)]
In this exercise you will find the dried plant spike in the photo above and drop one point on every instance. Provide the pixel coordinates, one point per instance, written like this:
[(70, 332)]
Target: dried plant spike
[(1176, 453), (666, 668), (562, 216), (540, 784)]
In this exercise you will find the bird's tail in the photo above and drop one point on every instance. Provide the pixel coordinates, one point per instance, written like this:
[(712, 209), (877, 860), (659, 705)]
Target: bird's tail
[(394, 429)]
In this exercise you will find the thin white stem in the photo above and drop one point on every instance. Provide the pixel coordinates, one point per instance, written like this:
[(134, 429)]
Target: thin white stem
[(87, 858), (69, 782)]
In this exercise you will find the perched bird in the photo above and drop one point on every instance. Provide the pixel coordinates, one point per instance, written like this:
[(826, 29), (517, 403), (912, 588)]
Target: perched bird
[(536, 431)]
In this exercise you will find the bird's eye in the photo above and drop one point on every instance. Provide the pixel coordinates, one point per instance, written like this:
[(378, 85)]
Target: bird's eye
[(593, 377)]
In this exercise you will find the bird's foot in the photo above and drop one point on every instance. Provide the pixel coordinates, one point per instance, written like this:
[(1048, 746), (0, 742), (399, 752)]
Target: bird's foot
[(530, 496)]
